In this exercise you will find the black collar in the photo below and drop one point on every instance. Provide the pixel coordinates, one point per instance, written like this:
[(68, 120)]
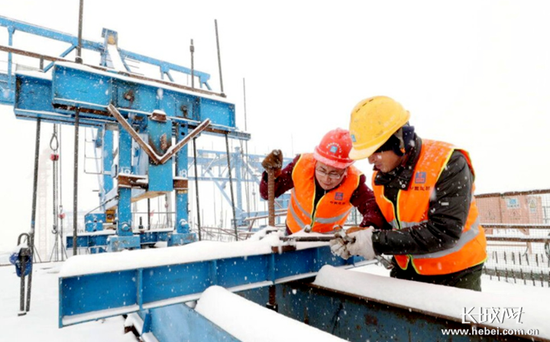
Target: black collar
[(401, 176)]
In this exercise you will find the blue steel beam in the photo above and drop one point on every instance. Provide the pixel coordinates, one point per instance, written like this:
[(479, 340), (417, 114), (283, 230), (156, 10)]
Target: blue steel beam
[(93, 90), (181, 323), (356, 318), (48, 33), (165, 67), (85, 297)]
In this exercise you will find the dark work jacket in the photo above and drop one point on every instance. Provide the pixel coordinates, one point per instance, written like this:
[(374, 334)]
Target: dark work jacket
[(445, 222)]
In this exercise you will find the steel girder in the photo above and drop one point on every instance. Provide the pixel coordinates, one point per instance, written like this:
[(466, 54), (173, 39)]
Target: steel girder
[(85, 297)]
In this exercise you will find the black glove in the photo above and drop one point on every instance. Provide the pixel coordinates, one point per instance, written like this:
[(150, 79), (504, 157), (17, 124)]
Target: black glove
[(273, 161)]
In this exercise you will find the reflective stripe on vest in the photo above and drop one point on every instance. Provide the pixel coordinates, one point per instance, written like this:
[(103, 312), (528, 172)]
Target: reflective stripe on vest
[(331, 210), (328, 220), (412, 210)]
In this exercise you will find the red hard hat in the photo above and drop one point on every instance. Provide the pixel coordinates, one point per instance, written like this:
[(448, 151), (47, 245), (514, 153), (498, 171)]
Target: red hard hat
[(334, 148)]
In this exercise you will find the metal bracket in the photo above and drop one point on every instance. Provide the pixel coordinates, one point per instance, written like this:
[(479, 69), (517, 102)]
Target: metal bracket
[(155, 158)]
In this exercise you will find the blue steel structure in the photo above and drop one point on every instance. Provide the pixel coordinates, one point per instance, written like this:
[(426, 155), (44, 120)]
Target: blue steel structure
[(60, 94), (212, 166), (140, 118), (86, 297), (147, 165), (7, 80)]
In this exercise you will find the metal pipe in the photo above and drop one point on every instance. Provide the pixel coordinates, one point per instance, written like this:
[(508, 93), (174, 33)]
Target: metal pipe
[(231, 186), (78, 58), (197, 187), (22, 293), (11, 78), (246, 148), (33, 215), (219, 58), (75, 180), (192, 50), (61, 212), (148, 214)]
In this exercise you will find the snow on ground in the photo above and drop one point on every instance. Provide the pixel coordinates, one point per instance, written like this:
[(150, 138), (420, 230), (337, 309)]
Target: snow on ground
[(41, 322)]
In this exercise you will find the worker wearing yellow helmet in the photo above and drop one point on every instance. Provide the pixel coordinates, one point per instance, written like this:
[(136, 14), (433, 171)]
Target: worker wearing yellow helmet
[(424, 189)]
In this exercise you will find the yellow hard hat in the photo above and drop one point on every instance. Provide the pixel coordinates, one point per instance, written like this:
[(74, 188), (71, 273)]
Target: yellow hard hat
[(372, 123)]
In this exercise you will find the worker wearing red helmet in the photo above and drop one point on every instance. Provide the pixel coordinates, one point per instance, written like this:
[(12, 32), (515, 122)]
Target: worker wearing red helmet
[(325, 186)]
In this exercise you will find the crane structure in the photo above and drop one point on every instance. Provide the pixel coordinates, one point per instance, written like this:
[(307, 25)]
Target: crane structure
[(144, 126), (132, 137)]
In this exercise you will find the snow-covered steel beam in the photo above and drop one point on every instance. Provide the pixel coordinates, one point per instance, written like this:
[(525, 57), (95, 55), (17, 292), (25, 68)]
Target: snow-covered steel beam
[(110, 284)]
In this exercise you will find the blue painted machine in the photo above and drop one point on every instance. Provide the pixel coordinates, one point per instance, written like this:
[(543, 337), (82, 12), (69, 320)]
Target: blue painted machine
[(149, 122), (153, 120)]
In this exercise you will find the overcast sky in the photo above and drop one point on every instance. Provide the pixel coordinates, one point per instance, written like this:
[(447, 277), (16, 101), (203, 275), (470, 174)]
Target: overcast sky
[(473, 73)]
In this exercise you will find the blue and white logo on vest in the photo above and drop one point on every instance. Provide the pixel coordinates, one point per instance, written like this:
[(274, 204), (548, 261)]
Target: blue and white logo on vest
[(339, 196), (420, 177)]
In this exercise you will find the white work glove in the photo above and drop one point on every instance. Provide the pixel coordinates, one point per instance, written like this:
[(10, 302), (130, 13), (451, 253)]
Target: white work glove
[(361, 244), (338, 246)]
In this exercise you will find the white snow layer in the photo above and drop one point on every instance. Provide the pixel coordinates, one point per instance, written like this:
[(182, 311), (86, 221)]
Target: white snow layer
[(254, 322), (193, 252), (441, 300)]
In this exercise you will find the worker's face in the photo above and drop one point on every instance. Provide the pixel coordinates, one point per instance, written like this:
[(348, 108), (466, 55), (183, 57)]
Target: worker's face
[(328, 177), (385, 161)]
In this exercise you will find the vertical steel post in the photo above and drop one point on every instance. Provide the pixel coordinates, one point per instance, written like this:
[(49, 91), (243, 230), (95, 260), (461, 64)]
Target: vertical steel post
[(22, 311), (219, 58), (149, 214), (245, 155), (11, 77), (192, 50), (75, 179), (78, 58), (239, 177), (33, 216), (197, 187), (182, 196), (231, 186)]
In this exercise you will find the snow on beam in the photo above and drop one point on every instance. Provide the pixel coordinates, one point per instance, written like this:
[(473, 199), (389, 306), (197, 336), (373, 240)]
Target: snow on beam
[(92, 286), (444, 301), (254, 322)]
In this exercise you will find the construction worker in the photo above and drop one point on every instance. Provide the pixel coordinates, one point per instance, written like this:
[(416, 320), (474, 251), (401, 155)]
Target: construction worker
[(425, 190), (325, 186)]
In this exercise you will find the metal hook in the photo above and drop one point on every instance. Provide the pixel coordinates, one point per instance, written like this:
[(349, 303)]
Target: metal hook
[(54, 140)]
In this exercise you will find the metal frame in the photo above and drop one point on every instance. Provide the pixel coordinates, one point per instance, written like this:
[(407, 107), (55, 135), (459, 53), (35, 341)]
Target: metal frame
[(86, 297), (110, 36), (96, 94)]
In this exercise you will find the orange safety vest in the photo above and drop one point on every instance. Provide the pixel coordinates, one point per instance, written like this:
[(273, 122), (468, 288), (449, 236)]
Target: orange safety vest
[(331, 210), (412, 210)]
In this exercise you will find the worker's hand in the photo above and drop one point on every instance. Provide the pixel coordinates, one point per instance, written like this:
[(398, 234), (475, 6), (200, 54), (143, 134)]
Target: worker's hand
[(273, 161), (361, 243), (338, 245)]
